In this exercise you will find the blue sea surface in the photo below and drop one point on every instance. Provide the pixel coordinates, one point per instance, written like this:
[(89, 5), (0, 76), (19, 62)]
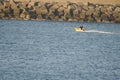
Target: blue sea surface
[(53, 50)]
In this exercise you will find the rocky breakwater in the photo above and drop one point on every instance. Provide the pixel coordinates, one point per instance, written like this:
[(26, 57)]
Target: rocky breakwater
[(68, 11)]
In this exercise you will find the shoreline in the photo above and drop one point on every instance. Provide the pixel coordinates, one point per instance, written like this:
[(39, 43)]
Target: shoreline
[(60, 21)]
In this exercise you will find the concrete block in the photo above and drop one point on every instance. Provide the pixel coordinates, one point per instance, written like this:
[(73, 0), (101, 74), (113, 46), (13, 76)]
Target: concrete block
[(43, 10), (2, 14)]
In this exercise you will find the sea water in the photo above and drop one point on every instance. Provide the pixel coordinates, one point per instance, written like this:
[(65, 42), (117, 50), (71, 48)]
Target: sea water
[(51, 50)]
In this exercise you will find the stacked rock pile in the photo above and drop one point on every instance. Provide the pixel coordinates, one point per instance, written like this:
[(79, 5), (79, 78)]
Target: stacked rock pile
[(57, 11)]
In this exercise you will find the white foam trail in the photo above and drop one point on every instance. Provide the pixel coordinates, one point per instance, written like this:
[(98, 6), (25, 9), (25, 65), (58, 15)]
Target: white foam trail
[(96, 31)]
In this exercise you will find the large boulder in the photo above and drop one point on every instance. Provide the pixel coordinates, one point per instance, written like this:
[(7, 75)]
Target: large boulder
[(89, 12), (76, 14), (104, 18), (117, 20), (85, 8), (82, 15), (61, 11), (91, 8), (15, 9), (116, 14), (97, 19), (37, 9), (1, 5), (117, 9), (43, 10), (16, 12), (6, 10), (90, 19), (50, 16), (54, 7), (103, 9), (97, 8), (27, 17), (39, 17), (32, 14), (6, 3), (67, 14), (22, 15), (96, 14), (37, 4), (71, 9), (2, 14)]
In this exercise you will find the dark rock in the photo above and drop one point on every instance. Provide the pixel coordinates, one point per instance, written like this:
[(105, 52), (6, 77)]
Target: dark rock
[(2, 14)]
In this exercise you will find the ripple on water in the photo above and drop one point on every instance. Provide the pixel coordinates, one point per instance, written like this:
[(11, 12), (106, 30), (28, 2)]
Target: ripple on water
[(46, 50)]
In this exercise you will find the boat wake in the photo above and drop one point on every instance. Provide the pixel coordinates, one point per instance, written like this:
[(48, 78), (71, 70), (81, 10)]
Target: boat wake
[(104, 32)]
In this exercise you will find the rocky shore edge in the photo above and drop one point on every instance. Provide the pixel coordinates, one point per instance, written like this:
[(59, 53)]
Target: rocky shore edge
[(68, 11)]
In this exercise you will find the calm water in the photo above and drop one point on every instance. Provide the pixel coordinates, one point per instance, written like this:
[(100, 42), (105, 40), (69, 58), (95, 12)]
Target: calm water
[(46, 50)]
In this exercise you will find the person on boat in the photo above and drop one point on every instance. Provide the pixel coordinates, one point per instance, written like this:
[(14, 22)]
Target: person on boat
[(82, 28)]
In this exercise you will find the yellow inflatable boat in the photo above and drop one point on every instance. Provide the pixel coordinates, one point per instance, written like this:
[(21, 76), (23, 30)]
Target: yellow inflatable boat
[(79, 29)]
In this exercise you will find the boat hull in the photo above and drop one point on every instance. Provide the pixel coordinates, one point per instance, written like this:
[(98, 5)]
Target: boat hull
[(79, 30)]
